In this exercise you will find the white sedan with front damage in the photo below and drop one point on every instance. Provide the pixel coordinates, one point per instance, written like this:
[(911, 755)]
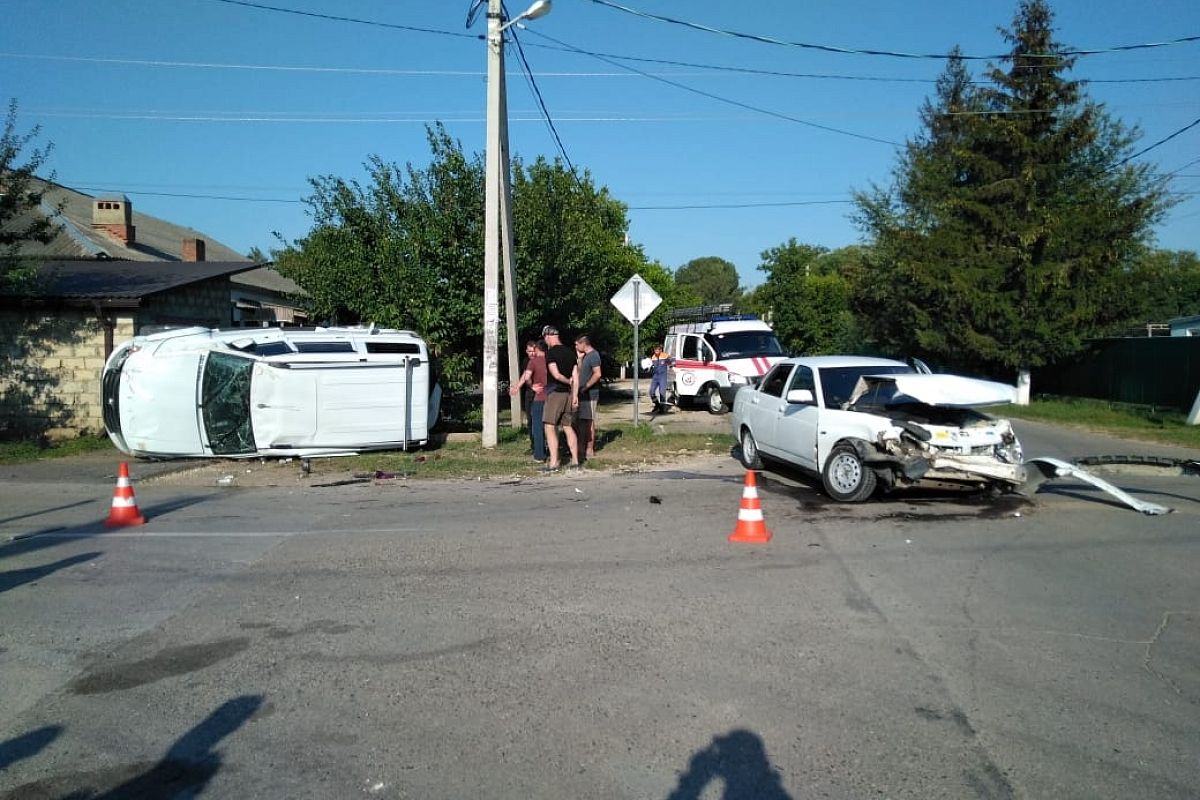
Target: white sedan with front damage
[(864, 424)]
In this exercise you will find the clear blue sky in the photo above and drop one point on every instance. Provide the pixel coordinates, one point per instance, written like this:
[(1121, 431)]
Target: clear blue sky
[(202, 97)]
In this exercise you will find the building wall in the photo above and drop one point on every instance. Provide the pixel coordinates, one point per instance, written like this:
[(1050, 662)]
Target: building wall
[(205, 303), (50, 364), (51, 358)]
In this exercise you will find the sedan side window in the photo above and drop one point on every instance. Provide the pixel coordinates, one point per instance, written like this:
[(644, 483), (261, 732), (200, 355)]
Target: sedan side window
[(775, 381), (802, 379)]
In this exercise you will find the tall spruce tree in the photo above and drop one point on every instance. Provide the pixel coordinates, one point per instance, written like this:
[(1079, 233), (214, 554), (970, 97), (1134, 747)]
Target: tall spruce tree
[(1008, 233)]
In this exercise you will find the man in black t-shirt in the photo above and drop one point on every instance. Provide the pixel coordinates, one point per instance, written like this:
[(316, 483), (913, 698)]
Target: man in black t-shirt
[(562, 397)]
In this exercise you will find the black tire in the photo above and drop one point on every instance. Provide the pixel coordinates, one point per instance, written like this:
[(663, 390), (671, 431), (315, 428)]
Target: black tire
[(713, 401), (845, 477), (751, 458)]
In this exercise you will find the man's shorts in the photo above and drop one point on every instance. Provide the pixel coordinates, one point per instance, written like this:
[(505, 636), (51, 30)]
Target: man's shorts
[(557, 410), (587, 405)]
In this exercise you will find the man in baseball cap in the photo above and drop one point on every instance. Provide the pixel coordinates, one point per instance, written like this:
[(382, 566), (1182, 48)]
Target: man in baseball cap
[(562, 397)]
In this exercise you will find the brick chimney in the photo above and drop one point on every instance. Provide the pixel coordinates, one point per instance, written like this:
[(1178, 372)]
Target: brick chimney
[(193, 249), (113, 214)]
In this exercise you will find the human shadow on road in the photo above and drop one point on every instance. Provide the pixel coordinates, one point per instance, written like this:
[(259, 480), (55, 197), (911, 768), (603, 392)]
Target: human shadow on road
[(739, 760), (27, 744), (185, 770), (51, 536), (5, 520), (18, 577), (192, 761)]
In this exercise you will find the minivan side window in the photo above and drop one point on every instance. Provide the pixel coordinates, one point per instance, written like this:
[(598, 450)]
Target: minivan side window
[(393, 347), (324, 347), (690, 351)]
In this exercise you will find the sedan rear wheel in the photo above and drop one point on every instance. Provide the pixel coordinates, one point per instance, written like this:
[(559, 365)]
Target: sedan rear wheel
[(846, 477), (750, 455)]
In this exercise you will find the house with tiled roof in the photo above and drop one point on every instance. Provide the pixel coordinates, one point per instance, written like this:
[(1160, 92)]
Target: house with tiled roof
[(109, 273)]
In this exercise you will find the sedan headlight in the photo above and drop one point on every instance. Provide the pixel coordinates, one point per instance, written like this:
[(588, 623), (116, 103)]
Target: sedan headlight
[(737, 379), (1010, 451)]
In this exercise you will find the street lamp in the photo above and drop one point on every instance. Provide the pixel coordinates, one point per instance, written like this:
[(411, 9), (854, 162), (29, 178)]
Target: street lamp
[(497, 218)]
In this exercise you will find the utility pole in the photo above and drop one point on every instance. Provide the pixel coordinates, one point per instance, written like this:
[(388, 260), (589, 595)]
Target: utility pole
[(497, 216), (491, 222), (509, 259)]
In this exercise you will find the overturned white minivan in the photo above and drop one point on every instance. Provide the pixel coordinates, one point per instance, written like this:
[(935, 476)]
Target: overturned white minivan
[(269, 392)]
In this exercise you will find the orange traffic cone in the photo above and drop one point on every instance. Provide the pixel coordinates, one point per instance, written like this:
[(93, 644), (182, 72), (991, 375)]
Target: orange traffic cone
[(124, 506), (750, 526)]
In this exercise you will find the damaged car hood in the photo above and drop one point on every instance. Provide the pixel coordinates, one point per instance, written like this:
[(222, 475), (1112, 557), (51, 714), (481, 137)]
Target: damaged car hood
[(947, 391)]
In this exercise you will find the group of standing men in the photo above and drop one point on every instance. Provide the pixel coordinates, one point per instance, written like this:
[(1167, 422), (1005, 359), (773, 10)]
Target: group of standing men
[(566, 390)]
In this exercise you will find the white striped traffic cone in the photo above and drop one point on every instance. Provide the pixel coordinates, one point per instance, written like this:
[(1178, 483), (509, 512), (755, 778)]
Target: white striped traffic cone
[(750, 528), (124, 509)]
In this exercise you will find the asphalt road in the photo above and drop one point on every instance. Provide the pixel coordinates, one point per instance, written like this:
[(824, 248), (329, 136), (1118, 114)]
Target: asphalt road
[(596, 636)]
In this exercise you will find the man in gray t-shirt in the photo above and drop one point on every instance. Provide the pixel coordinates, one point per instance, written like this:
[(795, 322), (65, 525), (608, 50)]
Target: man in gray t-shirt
[(589, 395)]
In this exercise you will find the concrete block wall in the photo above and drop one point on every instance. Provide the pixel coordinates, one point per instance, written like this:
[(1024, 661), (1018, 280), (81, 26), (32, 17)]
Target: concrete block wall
[(207, 304), (50, 365)]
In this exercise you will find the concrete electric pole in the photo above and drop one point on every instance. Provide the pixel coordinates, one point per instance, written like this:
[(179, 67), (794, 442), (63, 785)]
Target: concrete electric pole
[(497, 220)]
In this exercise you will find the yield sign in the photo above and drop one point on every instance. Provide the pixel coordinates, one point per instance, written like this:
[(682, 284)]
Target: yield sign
[(636, 299)]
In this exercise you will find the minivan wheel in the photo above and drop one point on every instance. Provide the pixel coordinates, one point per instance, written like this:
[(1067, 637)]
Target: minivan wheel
[(715, 404), (846, 478), (751, 459)]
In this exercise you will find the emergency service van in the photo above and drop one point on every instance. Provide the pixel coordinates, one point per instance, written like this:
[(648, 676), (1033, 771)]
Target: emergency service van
[(717, 352)]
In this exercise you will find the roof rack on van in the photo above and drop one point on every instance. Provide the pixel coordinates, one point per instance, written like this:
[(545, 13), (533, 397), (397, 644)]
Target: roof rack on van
[(714, 313)]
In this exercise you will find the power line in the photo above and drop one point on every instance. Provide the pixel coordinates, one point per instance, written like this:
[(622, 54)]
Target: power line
[(890, 53), (1161, 141), (545, 111), (354, 20), (693, 207), (442, 73), (189, 196), (721, 99)]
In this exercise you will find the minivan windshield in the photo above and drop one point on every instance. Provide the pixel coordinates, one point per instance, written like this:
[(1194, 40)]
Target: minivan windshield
[(744, 344), (225, 403)]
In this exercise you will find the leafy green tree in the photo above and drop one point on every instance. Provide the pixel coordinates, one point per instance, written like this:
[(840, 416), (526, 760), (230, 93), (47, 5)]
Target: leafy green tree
[(807, 299), (1007, 235), (21, 195), (570, 252), (1168, 285), (405, 250), (712, 279)]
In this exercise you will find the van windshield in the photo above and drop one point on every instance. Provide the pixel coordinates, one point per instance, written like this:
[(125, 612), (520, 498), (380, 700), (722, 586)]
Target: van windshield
[(744, 344), (225, 403)]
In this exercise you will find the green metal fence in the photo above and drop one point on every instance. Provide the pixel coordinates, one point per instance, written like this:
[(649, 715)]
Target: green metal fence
[(1162, 371)]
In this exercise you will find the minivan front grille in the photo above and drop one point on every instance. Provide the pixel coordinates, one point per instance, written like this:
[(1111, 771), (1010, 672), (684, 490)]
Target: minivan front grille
[(111, 400)]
